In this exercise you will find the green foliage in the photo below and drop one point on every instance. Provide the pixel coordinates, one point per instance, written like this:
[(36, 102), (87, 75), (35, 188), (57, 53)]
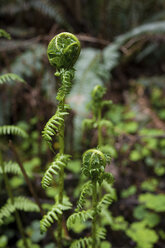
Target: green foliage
[(128, 192), (12, 130), (104, 202), (3, 241), (83, 242), (4, 34), (54, 125), (144, 237), (85, 192), (80, 216), (60, 161), (8, 77), (52, 215), (153, 202), (11, 167), (63, 50), (20, 203), (150, 184)]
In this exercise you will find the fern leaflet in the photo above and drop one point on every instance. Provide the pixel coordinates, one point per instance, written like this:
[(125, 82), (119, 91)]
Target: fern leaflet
[(52, 215), (10, 77), (20, 203), (54, 124), (11, 167), (80, 216), (82, 243), (12, 130), (86, 191), (105, 201), (100, 233), (60, 161)]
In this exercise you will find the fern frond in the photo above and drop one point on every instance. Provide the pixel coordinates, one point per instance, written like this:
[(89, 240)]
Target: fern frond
[(10, 77), (82, 243), (105, 201), (54, 124), (105, 123), (80, 216), (88, 124), (20, 203), (52, 215), (11, 167), (12, 130), (4, 34), (66, 79), (100, 233), (108, 177), (85, 191), (61, 161)]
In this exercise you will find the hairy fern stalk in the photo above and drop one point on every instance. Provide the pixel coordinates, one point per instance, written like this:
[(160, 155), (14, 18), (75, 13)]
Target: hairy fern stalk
[(94, 162), (63, 51)]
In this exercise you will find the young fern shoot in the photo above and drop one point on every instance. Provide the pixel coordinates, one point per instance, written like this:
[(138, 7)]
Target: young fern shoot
[(93, 167), (97, 105), (63, 51)]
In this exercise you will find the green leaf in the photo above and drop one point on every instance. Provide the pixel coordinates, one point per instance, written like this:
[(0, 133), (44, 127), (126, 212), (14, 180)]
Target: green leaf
[(154, 202), (128, 192), (8, 77), (135, 155), (144, 237)]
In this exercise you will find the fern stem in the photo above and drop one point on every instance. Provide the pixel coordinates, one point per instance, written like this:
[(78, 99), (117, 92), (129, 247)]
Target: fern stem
[(100, 140), (94, 206), (61, 181), (10, 194)]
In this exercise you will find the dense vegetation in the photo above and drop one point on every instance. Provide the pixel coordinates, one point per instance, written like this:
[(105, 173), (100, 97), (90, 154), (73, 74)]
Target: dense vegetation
[(114, 187)]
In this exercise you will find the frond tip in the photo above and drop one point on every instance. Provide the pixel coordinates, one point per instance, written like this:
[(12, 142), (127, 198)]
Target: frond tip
[(8, 77), (61, 161), (86, 191), (12, 130)]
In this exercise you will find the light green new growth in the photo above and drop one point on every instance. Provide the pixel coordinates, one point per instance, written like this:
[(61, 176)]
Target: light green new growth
[(63, 51), (94, 162)]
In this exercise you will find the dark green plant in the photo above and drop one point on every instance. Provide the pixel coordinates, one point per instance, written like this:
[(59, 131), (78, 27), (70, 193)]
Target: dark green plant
[(63, 51), (93, 167)]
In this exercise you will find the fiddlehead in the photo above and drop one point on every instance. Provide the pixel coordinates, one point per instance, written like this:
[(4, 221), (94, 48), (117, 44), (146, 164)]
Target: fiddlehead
[(63, 51)]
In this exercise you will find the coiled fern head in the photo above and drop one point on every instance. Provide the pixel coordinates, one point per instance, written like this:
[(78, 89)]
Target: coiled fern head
[(63, 50), (97, 93), (94, 162)]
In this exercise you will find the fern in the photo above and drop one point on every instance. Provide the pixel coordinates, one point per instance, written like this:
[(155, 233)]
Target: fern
[(100, 233), (52, 215), (80, 216), (108, 177), (105, 201), (82, 243), (54, 124), (4, 34), (10, 77), (12, 130), (54, 169), (20, 203), (11, 167), (86, 190)]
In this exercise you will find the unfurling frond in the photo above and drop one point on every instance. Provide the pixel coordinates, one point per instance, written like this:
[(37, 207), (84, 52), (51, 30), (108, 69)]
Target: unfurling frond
[(54, 124), (85, 191), (94, 162), (20, 203), (88, 124), (12, 130), (8, 77), (52, 215), (11, 167), (82, 243), (61, 161), (80, 216), (66, 80), (108, 177), (4, 34), (105, 201)]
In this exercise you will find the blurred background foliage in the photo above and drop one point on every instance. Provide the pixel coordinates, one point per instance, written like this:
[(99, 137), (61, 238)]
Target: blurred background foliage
[(123, 48)]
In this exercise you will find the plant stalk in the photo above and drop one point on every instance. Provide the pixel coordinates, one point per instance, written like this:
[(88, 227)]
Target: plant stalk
[(61, 183), (94, 221), (10, 194), (100, 140)]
